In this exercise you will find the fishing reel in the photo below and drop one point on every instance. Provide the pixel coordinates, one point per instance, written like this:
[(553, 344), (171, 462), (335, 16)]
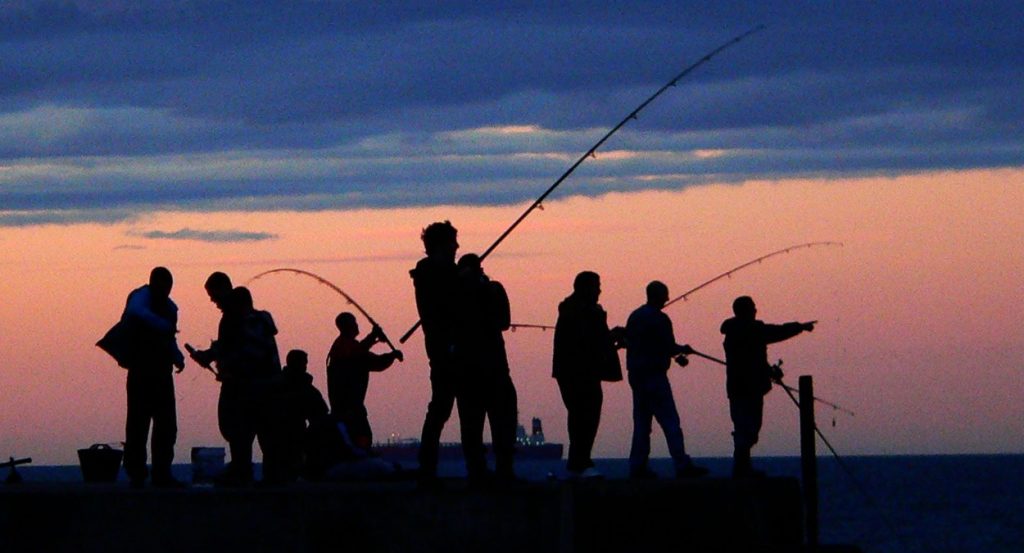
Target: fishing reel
[(775, 372)]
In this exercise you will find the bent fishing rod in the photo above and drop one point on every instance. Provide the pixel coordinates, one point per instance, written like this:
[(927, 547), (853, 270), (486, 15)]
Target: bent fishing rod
[(334, 287), (591, 152), (726, 274), (788, 388), (737, 268)]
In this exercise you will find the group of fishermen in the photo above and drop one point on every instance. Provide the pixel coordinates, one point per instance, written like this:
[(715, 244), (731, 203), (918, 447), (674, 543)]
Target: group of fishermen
[(463, 314)]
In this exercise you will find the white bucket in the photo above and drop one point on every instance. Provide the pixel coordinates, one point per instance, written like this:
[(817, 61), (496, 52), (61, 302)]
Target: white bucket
[(207, 463)]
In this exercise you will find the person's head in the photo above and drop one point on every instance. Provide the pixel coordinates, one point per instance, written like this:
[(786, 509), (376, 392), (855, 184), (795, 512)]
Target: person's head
[(469, 266), (440, 239), (657, 294), (743, 307), (160, 282), (296, 360), (239, 300), (347, 324), (218, 286), (587, 285)]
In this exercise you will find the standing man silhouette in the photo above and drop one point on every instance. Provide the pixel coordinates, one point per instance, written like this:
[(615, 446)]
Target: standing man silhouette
[(585, 353), (748, 376), (651, 346), (435, 279), (485, 385), (152, 318)]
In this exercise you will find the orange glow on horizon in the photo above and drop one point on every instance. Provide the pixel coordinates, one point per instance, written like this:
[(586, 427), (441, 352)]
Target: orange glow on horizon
[(923, 298)]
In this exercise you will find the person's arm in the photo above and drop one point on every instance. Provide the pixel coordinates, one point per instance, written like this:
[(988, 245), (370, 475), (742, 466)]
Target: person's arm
[(139, 309), (778, 333)]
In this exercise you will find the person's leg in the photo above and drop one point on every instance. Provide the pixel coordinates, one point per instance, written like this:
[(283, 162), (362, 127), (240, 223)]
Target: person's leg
[(640, 448), (231, 419), (663, 406), (439, 410), (503, 417), (575, 418), (165, 427), (472, 399), (746, 418), (136, 431)]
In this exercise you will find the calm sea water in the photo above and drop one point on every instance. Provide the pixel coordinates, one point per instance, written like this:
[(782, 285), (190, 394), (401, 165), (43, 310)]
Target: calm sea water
[(945, 503)]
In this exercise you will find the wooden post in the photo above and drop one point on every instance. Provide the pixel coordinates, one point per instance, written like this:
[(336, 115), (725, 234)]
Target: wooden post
[(809, 460)]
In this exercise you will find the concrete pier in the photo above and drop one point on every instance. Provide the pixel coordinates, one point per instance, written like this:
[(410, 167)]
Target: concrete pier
[(714, 515)]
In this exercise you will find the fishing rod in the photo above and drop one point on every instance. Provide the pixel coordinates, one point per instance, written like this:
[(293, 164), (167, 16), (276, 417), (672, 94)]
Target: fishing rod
[(515, 326), (779, 381), (591, 152), (842, 463), (334, 287), (730, 272)]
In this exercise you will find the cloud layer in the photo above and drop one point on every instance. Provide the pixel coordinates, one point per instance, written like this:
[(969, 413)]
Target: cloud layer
[(111, 109)]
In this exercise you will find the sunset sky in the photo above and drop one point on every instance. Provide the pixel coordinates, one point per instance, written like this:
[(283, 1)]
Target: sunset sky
[(322, 135)]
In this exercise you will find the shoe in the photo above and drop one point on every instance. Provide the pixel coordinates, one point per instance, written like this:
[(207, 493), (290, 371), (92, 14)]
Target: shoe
[(589, 473), (691, 471), (137, 483), (642, 473)]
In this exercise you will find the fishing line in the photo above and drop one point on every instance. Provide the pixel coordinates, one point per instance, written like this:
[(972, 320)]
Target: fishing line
[(591, 152), (839, 460), (846, 469)]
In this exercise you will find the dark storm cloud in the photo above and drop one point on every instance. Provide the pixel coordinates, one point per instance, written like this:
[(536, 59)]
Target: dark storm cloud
[(324, 105)]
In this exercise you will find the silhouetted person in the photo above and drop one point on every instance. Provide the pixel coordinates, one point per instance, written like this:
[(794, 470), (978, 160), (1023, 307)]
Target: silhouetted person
[(153, 319), (485, 385), (749, 375), (301, 405), (349, 365), (435, 280), (218, 287), (247, 366), (651, 346), (584, 355)]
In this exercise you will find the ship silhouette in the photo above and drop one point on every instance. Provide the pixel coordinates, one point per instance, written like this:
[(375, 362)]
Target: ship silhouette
[(530, 446)]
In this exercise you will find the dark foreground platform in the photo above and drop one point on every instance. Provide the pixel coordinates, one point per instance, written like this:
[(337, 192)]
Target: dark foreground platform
[(713, 515)]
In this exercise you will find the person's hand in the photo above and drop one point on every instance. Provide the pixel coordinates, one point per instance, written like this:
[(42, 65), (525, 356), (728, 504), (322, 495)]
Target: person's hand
[(203, 357), (685, 349), (398, 355), (777, 373), (179, 362), (377, 333), (681, 360), (809, 326)]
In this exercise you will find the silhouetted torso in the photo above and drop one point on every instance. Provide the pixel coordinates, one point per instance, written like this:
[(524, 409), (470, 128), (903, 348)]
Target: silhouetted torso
[(584, 348), (436, 282), (748, 372)]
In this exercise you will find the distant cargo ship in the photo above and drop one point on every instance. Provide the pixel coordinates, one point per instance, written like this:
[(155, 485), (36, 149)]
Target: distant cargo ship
[(528, 447)]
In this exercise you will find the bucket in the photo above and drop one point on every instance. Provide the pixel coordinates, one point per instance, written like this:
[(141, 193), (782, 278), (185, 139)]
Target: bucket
[(207, 463), (100, 463)]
